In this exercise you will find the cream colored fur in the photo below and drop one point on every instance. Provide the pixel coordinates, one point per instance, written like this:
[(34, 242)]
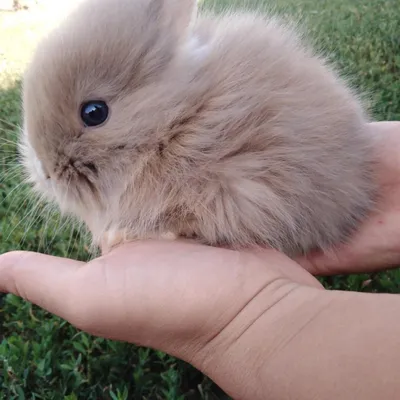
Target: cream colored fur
[(228, 129)]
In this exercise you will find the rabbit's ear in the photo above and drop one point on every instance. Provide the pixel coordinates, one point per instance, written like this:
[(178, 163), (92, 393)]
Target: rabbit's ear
[(182, 14), (188, 13)]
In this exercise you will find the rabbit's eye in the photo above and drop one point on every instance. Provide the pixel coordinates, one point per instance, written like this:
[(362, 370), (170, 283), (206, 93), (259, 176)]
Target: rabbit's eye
[(94, 113)]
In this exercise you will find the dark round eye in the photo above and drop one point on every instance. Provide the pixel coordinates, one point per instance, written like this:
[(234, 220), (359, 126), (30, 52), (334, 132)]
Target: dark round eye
[(94, 113)]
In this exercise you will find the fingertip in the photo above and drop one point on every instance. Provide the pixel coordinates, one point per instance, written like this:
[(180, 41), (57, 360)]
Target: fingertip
[(38, 278), (11, 257), (8, 261)]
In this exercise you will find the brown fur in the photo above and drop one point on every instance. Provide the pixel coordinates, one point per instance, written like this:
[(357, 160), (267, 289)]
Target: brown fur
[(226, 128)]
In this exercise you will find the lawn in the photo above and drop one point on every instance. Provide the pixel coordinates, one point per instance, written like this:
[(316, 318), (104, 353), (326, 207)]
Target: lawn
[(43, 357)]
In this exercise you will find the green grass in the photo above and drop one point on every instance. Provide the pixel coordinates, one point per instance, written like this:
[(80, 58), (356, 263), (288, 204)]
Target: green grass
[(43, 357)]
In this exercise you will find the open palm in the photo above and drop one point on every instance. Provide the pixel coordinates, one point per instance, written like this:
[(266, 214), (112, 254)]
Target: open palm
[(156, 294)]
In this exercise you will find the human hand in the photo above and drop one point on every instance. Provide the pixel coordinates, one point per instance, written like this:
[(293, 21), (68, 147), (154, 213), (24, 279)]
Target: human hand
[(149, 292), (174, 296), (376, 245), (255, 322)]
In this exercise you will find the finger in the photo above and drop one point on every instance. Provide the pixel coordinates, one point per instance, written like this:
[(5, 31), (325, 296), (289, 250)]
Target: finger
[(387, 146), (385, 126), (43, 280), (346, 263), (375, 247)]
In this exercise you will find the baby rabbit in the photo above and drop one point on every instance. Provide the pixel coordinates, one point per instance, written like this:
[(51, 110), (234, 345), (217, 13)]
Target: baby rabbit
[(144, 119)]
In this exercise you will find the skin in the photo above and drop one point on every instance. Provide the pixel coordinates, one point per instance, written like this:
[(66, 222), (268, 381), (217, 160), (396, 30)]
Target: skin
[(259, 324), (376, 245)]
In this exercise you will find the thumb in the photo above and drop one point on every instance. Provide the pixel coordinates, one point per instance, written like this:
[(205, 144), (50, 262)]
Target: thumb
[(41, 279)]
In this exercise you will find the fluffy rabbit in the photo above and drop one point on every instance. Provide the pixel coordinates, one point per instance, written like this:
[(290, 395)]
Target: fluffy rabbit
[(144, 119)]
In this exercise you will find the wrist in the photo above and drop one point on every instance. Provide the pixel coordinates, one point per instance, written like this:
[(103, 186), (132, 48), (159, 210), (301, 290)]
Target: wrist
[(237, 357), (310, 344)]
